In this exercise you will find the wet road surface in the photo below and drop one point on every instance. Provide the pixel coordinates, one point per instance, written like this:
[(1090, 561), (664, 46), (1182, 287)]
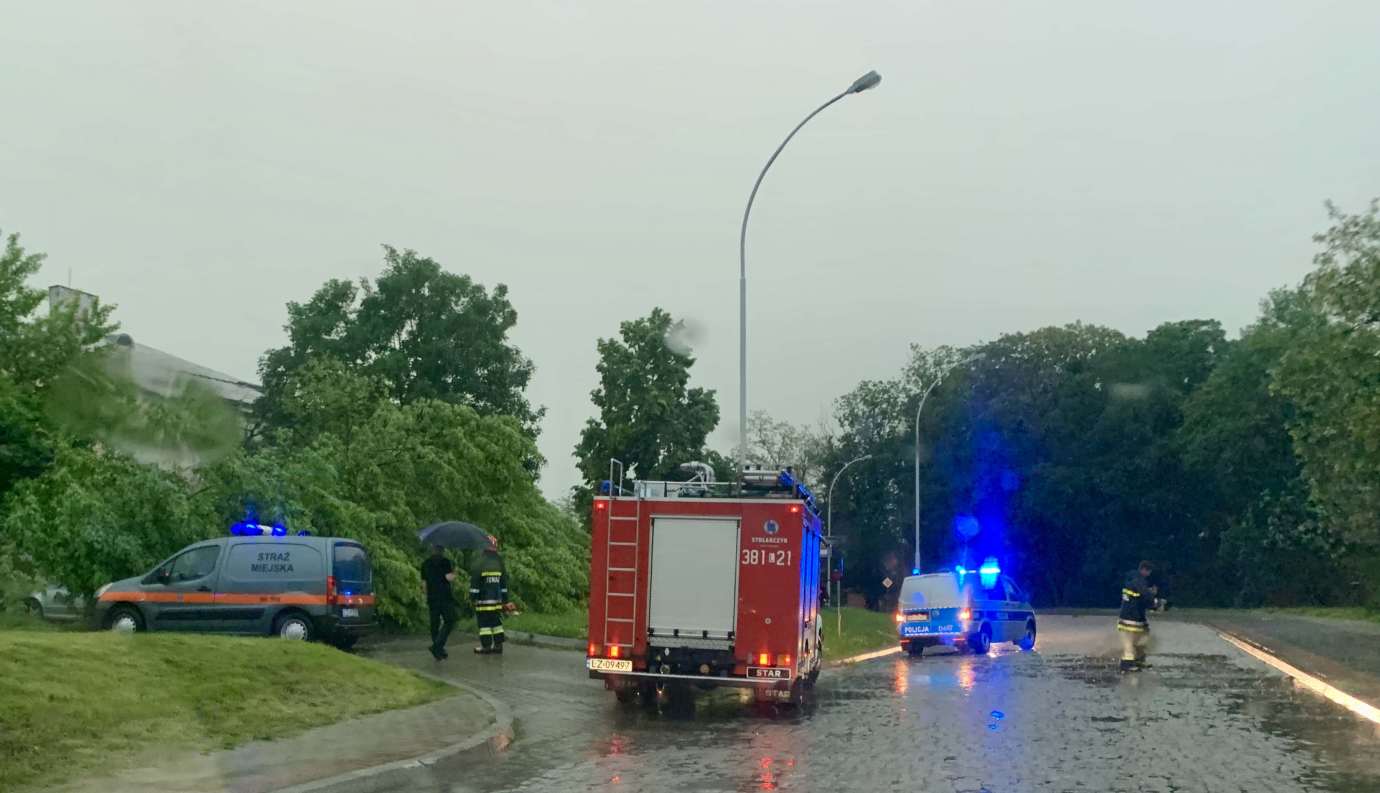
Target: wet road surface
[(1204, 718)]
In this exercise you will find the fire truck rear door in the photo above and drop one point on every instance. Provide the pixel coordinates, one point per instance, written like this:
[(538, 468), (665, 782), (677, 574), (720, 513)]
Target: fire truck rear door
[(694, 576)]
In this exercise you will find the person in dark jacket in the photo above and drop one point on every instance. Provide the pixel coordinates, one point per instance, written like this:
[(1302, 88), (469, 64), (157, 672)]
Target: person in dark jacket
[(489, 593), (437, 573), (1137, 598)]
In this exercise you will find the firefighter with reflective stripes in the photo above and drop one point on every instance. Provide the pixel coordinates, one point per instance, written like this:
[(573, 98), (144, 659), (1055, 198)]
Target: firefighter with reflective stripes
[(1137, 598), (489, 593)]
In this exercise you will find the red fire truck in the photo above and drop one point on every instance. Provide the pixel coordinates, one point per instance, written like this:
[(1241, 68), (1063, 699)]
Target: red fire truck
[(704, 584)]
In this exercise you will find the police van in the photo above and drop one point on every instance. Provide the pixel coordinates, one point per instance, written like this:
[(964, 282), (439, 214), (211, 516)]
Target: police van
[(964, 609), (260, 580)]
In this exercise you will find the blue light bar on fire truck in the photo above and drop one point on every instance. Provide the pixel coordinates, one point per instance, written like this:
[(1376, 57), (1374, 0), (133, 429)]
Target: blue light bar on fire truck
[(799, 490)]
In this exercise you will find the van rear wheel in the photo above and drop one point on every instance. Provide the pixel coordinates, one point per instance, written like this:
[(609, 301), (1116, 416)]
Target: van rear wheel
[(294, 626), (916, 649)]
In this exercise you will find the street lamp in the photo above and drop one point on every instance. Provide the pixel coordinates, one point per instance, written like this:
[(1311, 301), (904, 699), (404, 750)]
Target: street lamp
[(859, 85), (829, 519), (944, 373)]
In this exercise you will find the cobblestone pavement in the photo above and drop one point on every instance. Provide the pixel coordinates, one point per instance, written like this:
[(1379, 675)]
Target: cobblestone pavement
[(1204, 718)]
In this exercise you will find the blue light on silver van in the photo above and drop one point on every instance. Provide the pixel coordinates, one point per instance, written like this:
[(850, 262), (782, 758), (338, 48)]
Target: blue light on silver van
[(989, 572)]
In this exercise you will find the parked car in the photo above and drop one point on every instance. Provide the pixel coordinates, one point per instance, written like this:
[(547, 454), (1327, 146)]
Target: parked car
[(54, 603), (295, 587)]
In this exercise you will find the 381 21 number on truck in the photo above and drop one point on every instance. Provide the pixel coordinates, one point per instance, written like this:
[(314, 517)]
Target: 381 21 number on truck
[(704, 584)]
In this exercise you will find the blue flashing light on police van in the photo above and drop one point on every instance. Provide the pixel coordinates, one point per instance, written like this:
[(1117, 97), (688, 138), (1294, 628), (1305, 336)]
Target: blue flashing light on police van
[(915, 571), (989, 572)]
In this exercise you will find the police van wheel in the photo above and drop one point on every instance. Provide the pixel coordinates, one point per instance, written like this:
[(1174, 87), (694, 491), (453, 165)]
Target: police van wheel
[(125, 619), (294, 626), (916, 649), (1027, 642), (981, 641)]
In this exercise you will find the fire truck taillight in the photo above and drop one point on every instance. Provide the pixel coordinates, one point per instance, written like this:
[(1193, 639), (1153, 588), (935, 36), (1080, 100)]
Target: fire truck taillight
[(764, 659), (795, 509), (783, 660), (600, 504), (614, 650), (593, 650)]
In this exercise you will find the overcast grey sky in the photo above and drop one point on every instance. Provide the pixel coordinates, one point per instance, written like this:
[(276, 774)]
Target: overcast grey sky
[(1021, 164)]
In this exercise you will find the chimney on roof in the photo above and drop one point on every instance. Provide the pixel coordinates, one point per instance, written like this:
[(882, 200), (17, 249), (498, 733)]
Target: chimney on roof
[(64, 296)]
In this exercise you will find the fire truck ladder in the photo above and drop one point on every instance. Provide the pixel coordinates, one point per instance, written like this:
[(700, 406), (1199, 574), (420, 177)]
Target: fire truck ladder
[(622, 549)]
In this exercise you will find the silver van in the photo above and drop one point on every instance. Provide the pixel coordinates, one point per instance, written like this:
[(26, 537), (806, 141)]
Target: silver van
[(966, 609), (296, 587)]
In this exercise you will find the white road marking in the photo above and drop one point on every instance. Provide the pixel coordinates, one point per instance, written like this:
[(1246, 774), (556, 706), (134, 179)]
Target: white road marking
[(1360, 708)]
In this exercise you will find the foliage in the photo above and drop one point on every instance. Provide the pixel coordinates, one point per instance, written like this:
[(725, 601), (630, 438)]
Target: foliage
[(649, 416), (422, 332), (356, 464), (96, 516), (74, 703), (33, 350), (776, 443), (96, 397), (1331, 377)]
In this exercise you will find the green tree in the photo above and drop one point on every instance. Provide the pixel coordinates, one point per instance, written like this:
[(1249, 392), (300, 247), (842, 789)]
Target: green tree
[(649, 416), (96, 516), (423, 332), (773, 442), (355, 463), (1331, 377)]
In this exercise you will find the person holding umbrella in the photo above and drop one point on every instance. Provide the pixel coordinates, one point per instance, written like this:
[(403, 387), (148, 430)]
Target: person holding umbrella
[(489, 593), (437, 573), (488, 584)]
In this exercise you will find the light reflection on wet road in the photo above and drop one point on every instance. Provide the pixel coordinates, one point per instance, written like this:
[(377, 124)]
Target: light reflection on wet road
[(1205, 718)]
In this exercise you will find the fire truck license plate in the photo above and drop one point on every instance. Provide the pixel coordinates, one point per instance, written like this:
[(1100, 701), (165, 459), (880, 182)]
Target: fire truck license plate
[(610, 664), (769, 672)]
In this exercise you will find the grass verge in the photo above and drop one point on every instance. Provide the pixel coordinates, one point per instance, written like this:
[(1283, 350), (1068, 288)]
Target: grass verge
[(1332, 612), (863, 631), (72, 701), (572, 624)]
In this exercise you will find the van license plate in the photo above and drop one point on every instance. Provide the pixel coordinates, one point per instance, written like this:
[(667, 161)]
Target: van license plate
[(347, 613), (609, 664)]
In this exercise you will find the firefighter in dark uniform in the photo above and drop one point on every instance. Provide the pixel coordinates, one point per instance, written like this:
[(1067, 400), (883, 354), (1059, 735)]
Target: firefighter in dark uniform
[(1137, 598), (489, 592)]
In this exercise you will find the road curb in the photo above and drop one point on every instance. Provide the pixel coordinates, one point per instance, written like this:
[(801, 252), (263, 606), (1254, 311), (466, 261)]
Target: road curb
[(542, 640), (860, 657), (1328, 691), (392, 774)]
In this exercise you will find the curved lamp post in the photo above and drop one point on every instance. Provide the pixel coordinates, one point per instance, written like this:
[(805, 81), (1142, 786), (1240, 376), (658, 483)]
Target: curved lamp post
[(859, 85)]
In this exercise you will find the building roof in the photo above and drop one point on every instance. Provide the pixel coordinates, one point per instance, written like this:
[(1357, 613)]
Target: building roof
[(163, 373)]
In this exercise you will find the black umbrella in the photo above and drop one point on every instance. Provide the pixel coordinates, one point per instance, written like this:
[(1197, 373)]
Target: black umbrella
[(455, 534)]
